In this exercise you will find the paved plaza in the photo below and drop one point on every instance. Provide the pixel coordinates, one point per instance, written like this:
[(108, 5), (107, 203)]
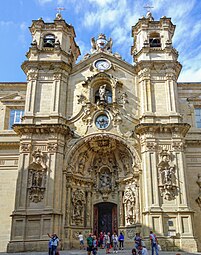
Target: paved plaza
[(100, 252)]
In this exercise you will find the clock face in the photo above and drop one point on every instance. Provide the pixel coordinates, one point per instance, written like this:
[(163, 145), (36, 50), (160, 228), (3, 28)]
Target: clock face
[(102, 64), (102, 121)]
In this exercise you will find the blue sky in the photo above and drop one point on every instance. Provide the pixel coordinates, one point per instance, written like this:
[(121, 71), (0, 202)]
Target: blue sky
[(91, 17)]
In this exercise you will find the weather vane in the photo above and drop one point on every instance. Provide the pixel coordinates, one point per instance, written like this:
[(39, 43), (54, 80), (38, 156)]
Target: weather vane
[(148, 7), (60, 9)]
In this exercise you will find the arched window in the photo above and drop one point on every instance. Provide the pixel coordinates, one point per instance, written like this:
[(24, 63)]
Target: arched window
[(154, 40), (103, 94), (49, 40)]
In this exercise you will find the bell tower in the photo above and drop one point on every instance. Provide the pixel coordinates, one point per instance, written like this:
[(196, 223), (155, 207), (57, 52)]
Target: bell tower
[(165, 206), (158, 69), (43, 136), (51, 56)]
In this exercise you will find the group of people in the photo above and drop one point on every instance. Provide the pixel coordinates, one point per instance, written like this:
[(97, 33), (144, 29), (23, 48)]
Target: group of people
[(140, 247), (104, 241), (115, 242), (108, 242)]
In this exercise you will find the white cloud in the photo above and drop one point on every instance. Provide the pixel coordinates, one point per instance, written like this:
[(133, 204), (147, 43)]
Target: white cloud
[(6, 23), (42, 2), (190, 75)]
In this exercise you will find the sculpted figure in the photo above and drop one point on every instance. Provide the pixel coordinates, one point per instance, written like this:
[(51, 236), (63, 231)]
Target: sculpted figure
[(105, 180), (129, 206), (102, 92)]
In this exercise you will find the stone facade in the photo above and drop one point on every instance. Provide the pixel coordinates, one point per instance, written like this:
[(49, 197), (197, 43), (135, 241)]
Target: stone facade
[(102, 145)]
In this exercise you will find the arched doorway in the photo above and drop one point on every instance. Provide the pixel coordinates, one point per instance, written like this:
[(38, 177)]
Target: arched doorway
[(105, 218)]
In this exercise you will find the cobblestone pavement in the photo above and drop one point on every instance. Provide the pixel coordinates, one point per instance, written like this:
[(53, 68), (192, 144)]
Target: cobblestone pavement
[(100, 252)]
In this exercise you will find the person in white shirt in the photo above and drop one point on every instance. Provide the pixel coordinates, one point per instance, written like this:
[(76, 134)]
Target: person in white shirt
[(81, 239)]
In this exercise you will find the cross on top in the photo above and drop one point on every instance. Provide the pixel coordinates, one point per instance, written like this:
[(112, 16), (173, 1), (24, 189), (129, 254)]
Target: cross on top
[(148, 7), (60, 9)]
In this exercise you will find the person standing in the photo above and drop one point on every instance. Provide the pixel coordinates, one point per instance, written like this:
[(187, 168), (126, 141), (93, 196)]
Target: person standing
[(95, 245), (121, 241), (81, 239), (137, 240), (115, 242), (107, 242), (54, 244), (154, 243), (101, 237), (89, 244)]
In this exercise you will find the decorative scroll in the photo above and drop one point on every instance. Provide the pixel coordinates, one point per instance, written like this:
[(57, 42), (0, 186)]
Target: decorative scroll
[(78, 203), (198, 199), (37, 177), (167, 176)]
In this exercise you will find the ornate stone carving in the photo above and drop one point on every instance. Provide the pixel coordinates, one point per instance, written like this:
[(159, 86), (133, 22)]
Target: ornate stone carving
[(37, 177), (130, 204), (52, 147), (101, 44), (25, 147), (82, 159), (167, 176), (81, 99), (78, 203), (126, 161), (198, 199)]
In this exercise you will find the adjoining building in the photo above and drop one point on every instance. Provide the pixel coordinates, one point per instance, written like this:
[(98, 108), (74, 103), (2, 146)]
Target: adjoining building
[(100, 145)]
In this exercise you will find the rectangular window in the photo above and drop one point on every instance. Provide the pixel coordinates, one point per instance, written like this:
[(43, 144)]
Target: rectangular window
[(198, 117), (15, 117)]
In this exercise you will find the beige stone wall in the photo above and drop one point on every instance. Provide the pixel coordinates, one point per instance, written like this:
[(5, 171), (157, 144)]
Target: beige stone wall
[(8, 177)]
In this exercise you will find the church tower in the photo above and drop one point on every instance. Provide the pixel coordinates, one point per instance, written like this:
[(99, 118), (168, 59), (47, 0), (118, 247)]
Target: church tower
[(43, 133), (162, 132)]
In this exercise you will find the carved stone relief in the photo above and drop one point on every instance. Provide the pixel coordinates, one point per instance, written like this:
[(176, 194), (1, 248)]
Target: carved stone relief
[(167, 176), (37, 177), (82, 159), (131, 204), (78, 203), (198, 199)]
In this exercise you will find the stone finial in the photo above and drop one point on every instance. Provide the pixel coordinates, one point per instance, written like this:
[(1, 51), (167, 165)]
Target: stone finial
[(149, 16)]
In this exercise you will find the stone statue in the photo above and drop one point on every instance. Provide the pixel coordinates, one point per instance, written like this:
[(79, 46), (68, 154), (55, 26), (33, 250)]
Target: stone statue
[(101, 44), (78, 203), (129, 206), (37, 177), (105, 180), (102, 92), (167, 177)]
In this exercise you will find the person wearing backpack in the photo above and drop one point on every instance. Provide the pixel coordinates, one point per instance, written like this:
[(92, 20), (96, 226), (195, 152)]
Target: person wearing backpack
[(154, 243), (89, 244)]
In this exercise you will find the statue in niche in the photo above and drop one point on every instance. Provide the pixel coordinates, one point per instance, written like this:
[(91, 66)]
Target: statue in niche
[(198, 199), (81, 162), (129, 201), (102, 92), (125, 161), (37, 177), (105, 181), (78, 203), (167, 177)]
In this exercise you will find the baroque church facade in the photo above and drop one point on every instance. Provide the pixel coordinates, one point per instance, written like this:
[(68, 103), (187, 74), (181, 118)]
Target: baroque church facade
[(100, 145)]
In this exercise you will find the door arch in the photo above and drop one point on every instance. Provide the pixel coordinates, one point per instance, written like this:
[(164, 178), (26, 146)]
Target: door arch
[(105, 218)]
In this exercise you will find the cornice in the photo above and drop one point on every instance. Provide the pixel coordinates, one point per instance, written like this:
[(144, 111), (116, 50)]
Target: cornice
[(41, 64), (22, 129), (156, 128)]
